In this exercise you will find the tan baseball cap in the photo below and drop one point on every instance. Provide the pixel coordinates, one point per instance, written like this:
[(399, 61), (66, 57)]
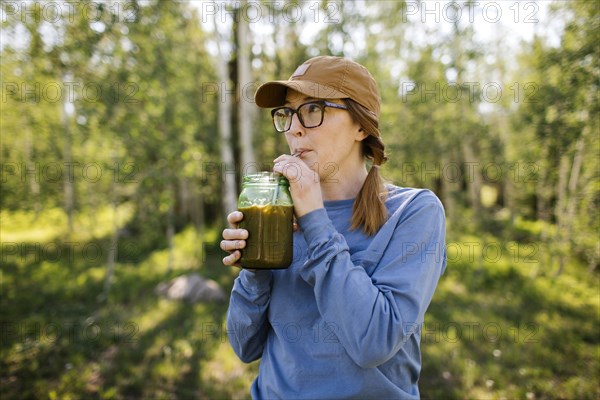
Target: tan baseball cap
[(324, 77)]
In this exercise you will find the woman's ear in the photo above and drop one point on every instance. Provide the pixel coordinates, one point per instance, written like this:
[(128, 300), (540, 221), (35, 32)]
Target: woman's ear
[(361, 134)]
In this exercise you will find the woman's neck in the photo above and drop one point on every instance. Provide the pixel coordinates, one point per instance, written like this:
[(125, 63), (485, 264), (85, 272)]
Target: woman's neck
[(343, 186)]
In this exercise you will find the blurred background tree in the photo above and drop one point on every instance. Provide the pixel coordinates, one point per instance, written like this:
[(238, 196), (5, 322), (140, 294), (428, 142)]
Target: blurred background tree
[(127, 125)]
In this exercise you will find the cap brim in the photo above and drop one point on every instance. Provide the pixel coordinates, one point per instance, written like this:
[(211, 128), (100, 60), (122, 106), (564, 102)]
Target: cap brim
[(273, 94)]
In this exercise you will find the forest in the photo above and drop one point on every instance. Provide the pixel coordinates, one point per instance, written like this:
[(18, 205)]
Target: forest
[(127, 125)]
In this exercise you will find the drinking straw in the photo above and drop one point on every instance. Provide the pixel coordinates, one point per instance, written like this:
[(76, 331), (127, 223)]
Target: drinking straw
[(276, 191)]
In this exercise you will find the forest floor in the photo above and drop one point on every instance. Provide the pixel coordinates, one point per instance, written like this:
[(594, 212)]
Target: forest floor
[(501, 324)]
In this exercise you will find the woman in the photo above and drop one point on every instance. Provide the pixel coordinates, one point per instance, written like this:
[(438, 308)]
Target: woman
[(343, 321)]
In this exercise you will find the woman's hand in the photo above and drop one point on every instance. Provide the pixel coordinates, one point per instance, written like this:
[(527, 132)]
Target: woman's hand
[(305, 186), (234, 239)]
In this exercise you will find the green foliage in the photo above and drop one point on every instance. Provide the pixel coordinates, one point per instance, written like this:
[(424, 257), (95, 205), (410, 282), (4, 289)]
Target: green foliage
[(494, 328), (60, 341), (128, 144)]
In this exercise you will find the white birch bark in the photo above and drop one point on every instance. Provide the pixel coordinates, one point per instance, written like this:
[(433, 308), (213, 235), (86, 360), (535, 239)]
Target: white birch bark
[(229, 194), (246, 105)]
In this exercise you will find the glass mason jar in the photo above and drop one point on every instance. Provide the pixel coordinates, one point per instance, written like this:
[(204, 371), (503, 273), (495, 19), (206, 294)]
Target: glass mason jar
[(268, 212)]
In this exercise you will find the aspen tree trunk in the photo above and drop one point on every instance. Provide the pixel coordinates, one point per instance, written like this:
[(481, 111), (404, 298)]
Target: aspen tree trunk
[(229, 194), (448, 190), (68, 177), (34, 184), (114, 239), (112, 251), (568, 203), (473, 176), (246, 102), (560, 212), (171, 226)]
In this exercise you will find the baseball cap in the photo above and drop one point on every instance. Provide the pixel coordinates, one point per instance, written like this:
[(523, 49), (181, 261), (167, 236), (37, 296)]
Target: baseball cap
[(324, 77)]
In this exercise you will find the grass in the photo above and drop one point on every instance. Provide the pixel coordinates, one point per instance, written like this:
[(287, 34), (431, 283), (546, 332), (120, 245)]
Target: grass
[(495, 330), (61, 340), (500, 325)]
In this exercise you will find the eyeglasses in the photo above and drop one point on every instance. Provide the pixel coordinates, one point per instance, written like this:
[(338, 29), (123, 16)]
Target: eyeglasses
[(310, 114)]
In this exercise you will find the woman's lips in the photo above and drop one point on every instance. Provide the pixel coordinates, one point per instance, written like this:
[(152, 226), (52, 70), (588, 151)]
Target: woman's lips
[(300, 152)]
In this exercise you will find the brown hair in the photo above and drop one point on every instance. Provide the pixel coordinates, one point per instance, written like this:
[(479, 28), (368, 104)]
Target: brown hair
[(369, 211)]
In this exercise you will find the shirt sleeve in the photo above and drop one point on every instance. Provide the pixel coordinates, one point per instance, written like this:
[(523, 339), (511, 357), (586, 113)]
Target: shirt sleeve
[(374, 315), (247, 322)]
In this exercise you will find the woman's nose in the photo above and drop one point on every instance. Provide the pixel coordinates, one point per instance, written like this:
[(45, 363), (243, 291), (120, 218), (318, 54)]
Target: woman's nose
[(296, 128)]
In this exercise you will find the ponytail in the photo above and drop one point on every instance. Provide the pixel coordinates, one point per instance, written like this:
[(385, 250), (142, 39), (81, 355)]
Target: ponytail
[(369, 211)]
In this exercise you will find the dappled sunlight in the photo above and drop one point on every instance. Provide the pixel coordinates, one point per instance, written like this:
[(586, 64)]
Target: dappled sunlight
[(225, 374), (25, 227), (127, 127), (493, 328), (496, 330), (120, 346)]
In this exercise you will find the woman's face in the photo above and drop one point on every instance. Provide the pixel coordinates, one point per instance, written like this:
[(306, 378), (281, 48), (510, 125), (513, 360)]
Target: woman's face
[(331, 149)]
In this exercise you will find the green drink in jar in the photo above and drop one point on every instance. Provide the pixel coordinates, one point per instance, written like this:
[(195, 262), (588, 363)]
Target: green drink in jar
[(268, 211)]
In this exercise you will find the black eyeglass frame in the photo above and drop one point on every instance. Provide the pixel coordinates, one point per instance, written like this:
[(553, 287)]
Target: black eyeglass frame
[(321, 103)]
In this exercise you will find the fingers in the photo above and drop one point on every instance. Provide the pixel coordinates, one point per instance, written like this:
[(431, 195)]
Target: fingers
[(231, 245), (305, 186), (232, 259), (235, 217), (235, 234), (233, 239), (291, 167)]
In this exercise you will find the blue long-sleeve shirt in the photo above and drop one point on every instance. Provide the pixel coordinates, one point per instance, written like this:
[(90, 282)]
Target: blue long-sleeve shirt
[(343, 321)]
